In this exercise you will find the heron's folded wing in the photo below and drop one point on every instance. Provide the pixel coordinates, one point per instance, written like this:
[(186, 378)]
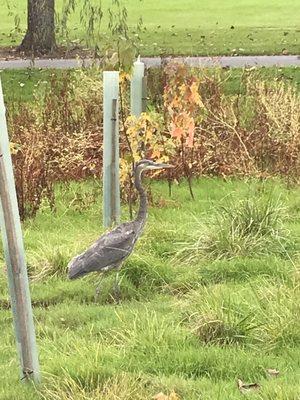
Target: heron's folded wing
[(110, 249)]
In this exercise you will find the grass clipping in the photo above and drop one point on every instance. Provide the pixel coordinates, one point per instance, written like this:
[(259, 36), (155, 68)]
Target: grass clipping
[(245, 228)]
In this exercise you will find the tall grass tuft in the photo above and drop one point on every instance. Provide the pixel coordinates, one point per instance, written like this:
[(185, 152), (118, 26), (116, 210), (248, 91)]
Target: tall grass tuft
[(249, 227), (123, 387), (248, 315)]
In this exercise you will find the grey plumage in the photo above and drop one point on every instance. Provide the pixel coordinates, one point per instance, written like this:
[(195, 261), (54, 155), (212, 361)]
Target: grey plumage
[(113, 247)]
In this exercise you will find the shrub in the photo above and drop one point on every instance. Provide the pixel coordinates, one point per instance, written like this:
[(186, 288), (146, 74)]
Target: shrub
[(57, 138), (196, 125)]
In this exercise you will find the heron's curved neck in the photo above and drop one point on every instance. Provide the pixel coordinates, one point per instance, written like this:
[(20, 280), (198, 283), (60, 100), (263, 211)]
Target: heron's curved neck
[(142, 213)]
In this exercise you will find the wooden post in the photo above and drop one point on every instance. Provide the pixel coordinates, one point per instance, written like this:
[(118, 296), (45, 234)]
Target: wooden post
[(15, 259), (111, 184), (136, 89)]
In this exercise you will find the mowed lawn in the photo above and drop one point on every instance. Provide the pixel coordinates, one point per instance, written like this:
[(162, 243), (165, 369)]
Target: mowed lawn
[(190, 327), (193, 27)]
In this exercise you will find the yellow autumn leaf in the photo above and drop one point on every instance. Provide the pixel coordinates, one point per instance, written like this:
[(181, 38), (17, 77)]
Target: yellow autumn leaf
[(149, 134), (124, 76), (146, 117), (14, 147), (165, 159), (131, 119), (195, 96), (182, 89), (155, 154)]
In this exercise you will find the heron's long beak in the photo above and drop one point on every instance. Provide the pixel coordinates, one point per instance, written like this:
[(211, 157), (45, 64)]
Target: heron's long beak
[(160, 166)]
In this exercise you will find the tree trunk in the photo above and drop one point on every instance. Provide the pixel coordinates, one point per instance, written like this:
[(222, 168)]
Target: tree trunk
[(40, 35)]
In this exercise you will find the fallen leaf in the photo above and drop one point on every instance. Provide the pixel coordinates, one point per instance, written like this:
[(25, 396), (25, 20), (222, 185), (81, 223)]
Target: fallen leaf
[(273, 373), (162, 396), (247, 387), (173, 396)]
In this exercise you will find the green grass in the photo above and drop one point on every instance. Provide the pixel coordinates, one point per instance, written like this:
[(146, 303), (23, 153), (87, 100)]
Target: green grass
[(20, 85), (192, 328), (251, 227), (189, 27)]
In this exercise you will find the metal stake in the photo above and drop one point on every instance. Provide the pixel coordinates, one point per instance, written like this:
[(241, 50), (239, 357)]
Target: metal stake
[(15, 259)]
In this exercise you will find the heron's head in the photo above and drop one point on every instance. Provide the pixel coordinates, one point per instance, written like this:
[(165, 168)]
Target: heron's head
[(144, 165)]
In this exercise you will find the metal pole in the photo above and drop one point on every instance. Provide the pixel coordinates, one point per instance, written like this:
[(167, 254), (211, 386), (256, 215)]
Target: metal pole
[(15, 259), (111, 184)]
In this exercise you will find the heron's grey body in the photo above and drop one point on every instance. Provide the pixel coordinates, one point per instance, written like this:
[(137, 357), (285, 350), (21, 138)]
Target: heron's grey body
[(108, 252), (113, 247)]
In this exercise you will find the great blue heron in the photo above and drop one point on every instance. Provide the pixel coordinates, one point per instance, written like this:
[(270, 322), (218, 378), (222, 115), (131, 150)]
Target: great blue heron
[(113, 247)]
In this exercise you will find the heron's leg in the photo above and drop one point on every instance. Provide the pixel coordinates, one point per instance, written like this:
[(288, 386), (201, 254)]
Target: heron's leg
[(98, 287), (117, 288)]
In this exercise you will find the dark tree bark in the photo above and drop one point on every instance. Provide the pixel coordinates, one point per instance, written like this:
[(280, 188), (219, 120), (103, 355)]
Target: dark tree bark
[(40, 35)]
